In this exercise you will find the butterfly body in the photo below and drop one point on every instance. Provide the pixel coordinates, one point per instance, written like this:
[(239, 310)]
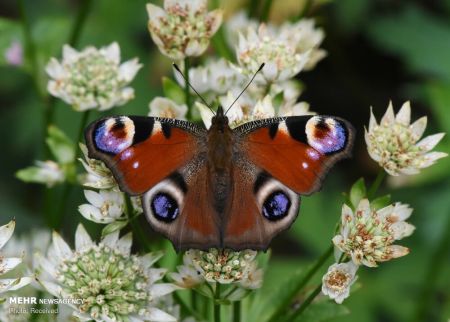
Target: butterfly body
[(221, 187)]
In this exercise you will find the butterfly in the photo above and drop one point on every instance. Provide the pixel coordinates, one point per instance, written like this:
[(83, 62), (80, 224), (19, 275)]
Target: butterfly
[(220, 187)]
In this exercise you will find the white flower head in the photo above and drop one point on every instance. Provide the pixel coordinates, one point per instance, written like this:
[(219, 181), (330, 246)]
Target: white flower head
[(9, 263), (219, 266), (236, 24), (367, 235), (113, 284), (337, 281), (183, 28), (97, 175), (282, 57), (164, 107), (215, 76), (104, 207), (93, 78), (395, 145), (47, 172)]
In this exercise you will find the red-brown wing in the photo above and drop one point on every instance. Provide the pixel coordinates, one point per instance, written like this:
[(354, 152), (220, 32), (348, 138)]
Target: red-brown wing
[(259, 208), (142, 151), (162, 160), (196, 223), (277, 160), (298, 151)]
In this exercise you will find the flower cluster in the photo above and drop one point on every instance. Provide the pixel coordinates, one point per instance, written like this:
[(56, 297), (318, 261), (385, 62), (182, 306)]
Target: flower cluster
[(9, 263), (367, 235), (395, 145), (219, 266), (113, 284), (183, 28), (92, 78)]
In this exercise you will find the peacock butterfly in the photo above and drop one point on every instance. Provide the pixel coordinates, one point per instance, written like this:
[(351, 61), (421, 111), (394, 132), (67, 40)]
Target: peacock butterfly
[(220, 187)]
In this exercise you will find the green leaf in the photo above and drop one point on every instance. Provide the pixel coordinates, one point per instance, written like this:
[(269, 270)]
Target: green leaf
[(381, 202), (322, 311), (173, 91), (62, 148), (417, 37), (114, 226), (357, 192), (36, 174), (280, 298), (11, 32)]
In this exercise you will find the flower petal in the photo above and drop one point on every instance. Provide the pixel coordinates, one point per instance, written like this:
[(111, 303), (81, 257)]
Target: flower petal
[(404, 115), (418, 127), (429, 142), (124, 244), (389, 117), (6, 232), (129, 69), (62, 250), (82, 239)]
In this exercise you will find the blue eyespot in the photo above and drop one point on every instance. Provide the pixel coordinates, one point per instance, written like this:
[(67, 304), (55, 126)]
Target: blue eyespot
[(276, 206), (164, 207)]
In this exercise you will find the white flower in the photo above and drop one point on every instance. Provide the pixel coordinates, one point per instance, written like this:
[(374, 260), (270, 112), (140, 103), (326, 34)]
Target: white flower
[(220, 266), (47, 172), (104, 206), (14, 54), (183, 28), (164, 107), (98, 176), (114, 284), (367, 235), (8, 263), (306, 38), (337, 281), (300, 108), (216, 76), (187, 275), (395, 145), (281, 49), (236, 24), (92, 78)]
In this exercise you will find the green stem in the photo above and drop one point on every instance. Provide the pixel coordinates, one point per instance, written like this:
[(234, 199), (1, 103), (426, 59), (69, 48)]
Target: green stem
[(266, 10), (194, 300), (30, 48), (187, 93), (216, 303), (306, 303), (252, 8), (221, 46), (237, 311), (305, 10), (79, 22), (435, 267), (376, 184), (56, 218), (312, 271)]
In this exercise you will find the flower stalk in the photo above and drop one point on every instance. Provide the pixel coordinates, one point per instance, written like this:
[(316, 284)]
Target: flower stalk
[(217, 305)]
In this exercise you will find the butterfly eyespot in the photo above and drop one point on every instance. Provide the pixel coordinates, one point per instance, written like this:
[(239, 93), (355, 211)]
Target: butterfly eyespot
[(164, 207), (327, 135), (276, 206), (114, 135)]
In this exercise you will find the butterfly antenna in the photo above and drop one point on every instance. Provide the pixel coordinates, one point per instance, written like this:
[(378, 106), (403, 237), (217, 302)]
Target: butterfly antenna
[(245, 88), (185, 79)]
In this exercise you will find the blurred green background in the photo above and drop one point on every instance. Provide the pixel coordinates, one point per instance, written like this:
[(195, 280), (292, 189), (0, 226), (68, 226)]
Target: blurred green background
[(377, 51)]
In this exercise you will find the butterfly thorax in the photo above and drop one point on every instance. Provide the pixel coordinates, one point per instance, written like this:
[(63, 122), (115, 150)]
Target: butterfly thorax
[(220, 154)]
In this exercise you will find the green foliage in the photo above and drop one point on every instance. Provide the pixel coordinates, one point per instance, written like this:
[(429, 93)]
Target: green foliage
[(357, 192)]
